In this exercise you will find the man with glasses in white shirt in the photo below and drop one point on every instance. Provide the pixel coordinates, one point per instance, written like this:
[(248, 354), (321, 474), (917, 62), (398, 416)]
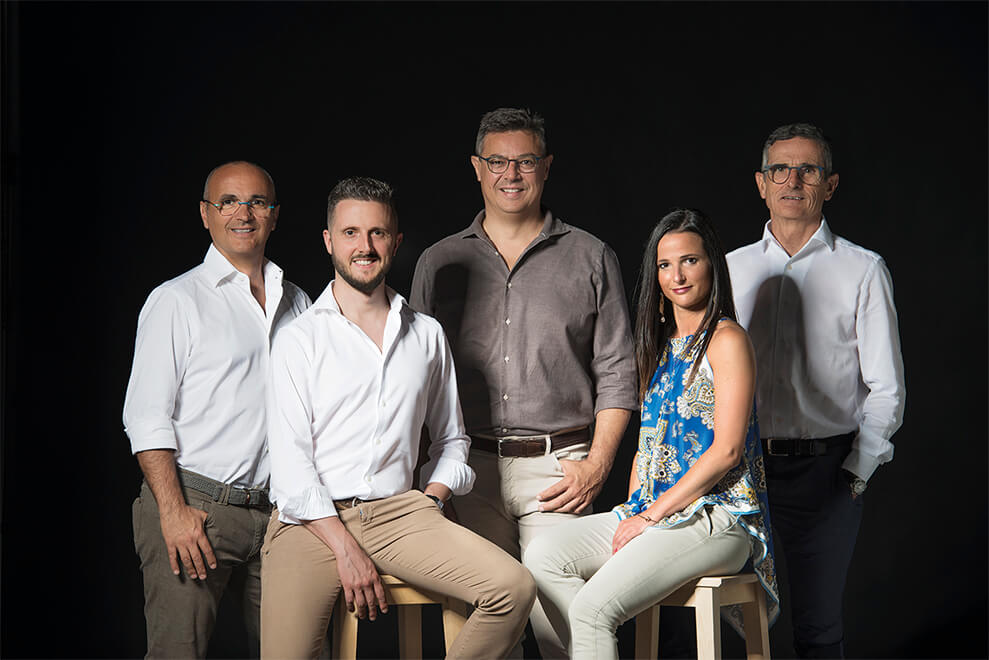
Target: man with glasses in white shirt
[(831, 393), (354, 379), (195, 416)]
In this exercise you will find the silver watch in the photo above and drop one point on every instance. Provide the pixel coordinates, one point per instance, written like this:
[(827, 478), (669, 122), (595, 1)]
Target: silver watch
[(438, 501), (857, 484)]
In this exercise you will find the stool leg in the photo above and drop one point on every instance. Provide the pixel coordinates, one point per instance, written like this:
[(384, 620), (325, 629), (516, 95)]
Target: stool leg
[(756, 623), (707, 608), (647, 634), (344, 632), (410, 632), (454, 618)]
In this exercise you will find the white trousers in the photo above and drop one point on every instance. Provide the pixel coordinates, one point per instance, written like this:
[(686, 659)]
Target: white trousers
[(586, 592)]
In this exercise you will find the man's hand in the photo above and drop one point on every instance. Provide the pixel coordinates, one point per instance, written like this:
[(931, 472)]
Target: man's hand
[(182, 529), (577, 489), (362, 588), (627, 530)]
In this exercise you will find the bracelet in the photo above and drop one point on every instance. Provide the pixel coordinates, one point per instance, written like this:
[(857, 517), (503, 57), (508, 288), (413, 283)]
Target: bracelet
[(642, 515)]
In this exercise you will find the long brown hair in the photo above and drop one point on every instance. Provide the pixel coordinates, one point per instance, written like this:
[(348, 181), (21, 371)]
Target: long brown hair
[(651, 332)]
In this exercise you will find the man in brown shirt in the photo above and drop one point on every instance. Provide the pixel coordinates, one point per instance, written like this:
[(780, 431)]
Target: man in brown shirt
[(535, 312)]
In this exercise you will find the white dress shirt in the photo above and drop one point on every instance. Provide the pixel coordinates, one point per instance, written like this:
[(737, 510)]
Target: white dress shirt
[(826, 340), (200, 369), (346, 417)]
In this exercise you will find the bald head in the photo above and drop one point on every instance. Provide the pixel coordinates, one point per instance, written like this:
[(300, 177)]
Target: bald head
[(239, 164)]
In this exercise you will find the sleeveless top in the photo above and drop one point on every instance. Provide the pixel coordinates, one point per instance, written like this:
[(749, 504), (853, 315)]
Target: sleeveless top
[(677, 426)]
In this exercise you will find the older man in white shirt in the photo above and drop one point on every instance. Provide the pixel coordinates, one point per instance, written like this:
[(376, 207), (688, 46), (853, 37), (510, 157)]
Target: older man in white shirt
[(195, 416), (820, 313), (353, 381)]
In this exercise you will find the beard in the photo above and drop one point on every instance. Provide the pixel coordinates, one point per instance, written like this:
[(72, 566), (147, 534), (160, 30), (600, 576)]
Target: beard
[(364, 286)]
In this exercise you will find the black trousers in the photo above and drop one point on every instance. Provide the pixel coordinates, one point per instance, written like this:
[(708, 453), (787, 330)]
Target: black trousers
[(815, 523)]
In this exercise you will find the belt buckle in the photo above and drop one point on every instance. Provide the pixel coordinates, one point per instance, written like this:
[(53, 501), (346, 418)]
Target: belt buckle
[(549, 444), (769, 445), (500, 442)]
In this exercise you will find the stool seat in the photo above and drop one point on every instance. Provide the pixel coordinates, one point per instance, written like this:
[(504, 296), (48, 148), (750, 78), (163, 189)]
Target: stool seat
[(409, 601), (707, 595)]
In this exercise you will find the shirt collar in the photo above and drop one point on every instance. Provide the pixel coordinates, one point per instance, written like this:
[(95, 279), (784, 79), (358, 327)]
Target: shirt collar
[(328, 302), (552, 226), (823, 236), (218, 269)]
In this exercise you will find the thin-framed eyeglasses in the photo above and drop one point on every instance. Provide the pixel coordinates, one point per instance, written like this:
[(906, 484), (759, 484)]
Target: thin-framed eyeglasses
[(260, 207), (499, 164), (809, 174)]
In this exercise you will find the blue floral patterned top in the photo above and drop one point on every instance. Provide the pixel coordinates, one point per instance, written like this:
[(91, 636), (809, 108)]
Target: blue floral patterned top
[(677, 426)]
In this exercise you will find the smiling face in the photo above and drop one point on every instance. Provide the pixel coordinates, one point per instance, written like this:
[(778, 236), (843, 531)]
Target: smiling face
[(794, 200), (240, 237), (684, 270), (362, 239), (512, 193)]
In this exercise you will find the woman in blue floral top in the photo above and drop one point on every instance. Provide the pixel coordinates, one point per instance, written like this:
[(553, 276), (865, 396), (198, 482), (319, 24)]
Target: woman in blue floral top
[(697, 492)]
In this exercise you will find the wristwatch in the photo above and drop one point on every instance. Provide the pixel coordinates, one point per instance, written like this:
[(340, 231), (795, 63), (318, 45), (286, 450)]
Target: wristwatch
[(855, 483), (438, 501)]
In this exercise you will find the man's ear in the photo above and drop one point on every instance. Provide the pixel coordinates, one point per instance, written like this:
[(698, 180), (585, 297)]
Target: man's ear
[(760, 183), (203, 210), (830, 186), (549, 161), (327, 241), (476, 162)]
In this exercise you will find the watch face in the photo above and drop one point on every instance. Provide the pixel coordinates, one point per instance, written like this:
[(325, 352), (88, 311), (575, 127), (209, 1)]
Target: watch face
[(858, 486)]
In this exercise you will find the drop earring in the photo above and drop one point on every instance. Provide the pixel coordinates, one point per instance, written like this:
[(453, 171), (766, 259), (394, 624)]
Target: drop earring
[(662, 303)]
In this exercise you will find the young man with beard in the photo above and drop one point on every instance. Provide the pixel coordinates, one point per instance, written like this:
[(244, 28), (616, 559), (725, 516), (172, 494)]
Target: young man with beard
[(353, 381)]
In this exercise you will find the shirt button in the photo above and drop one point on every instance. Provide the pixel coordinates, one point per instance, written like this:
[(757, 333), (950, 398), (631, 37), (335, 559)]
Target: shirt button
[(506, 358), (789, 266), (367, 478), (504, 430), (505, 397), (509, 285), (383, 404), (508, 321)]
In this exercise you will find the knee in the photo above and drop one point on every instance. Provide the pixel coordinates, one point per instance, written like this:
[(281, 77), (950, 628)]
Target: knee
[(586, 613), (511, 588), (539, 558)]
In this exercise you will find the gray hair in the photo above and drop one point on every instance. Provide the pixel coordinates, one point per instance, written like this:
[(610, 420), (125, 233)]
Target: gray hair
[(209, 177), (504, 120), (808, 131), (362, 189)]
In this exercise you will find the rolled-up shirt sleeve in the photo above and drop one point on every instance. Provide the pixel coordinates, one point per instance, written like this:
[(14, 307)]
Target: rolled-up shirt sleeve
[(881, 367), (295, 484), (613, 361), (161, 353), (449, 444)]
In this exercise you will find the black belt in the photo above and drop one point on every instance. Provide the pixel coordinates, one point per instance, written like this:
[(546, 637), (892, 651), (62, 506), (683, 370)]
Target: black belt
[(352, 502), (254, 498), (806, 446), (526, 446)]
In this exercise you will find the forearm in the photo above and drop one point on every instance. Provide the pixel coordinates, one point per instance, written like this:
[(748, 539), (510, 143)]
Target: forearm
[(609, 427), (437, 489), (158, 466), (332, 533), (697, 481)]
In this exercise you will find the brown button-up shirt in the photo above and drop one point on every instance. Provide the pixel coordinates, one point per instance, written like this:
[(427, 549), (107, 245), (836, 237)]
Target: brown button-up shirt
[(541, 347)]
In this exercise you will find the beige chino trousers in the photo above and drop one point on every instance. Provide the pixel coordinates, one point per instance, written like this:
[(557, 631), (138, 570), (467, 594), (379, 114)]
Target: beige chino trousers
[(502, 507), (406, 536)]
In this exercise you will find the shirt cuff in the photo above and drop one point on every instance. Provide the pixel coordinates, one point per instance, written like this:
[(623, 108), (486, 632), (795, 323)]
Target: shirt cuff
[(454, 474), (151, 438), (860, 464), (311, 504)]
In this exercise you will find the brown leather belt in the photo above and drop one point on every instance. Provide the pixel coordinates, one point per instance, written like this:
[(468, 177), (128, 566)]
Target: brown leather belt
[(806, 446), (526, 446)]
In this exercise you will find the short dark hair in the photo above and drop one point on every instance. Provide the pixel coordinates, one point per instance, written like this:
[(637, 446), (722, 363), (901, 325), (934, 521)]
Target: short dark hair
[(808, 131), (363, 189), (504, 120), (209, 177), (651, 331)]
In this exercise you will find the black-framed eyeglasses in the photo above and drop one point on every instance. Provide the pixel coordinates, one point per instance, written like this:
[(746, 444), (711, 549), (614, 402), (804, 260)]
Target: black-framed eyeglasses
[(499, 164), (259, 207), (809, 174)]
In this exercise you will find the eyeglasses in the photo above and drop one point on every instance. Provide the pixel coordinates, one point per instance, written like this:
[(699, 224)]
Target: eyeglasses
[(259, 207), (499, 164), (809, 174)]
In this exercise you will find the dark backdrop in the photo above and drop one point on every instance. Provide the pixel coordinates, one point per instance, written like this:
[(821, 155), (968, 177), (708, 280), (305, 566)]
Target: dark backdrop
[(114, 113)]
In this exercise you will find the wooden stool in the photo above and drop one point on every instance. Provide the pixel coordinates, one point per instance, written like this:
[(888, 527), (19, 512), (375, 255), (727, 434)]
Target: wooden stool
[(706, 595), (409, 600)]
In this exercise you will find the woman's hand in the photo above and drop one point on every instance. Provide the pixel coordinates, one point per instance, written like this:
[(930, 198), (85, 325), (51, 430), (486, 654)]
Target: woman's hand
[(627, 530)]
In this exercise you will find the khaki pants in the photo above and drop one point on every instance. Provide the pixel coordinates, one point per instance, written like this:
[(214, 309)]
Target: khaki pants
[(406, 536), (180, 612), (502, 507), (587, 592)]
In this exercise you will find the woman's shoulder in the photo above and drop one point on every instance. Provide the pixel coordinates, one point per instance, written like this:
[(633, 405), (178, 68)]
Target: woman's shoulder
[(729, 341)]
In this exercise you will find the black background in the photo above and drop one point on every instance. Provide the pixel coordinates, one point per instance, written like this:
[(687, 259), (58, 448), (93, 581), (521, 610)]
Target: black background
[(114, 113)]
